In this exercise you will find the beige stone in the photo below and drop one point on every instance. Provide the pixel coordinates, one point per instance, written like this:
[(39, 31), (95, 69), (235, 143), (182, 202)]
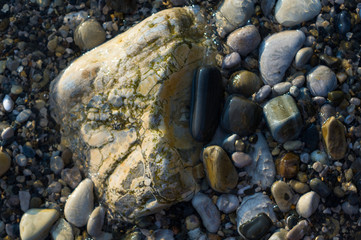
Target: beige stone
[(333, 132), (124, 112), (221, 173), (5, 163)]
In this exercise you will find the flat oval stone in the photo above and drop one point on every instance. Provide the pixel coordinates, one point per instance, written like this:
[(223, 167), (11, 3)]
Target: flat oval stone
[(244, 40), (292, 12), (245, 83), (320, 187), (62, 230), (207, 96), (241, 115), (80, 204), (256, 228), (23, 116), (321, 80), (7, 133), (89, 34), (343, 22), (277, 53), (8, 103), (263, 93), (241, 159), (299, 187), (279, 235), (288, 165), (232, 14), (283, 118), (208, 212), (283, 195), (281, 88), (333, 132), (35, 224), (307, 204), (303, 56), (221, 173)]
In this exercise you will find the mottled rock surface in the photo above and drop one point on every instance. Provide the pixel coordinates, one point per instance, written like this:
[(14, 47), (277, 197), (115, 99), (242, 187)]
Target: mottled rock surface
[(124, 111)]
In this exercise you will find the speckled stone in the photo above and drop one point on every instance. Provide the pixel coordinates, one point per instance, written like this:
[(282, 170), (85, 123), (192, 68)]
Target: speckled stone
[(321, 80), (245, 83), (283, 195), (283, 118), (244, 40), (227, 203), (277, 53), (333, 132), (307, 204), (221, 173), (292, 12)]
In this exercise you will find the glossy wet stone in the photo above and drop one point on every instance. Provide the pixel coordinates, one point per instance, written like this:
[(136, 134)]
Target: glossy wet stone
[(5, 163), (256, 228), (343, 22), (321, 80), (276, 54), (299, 187), (298, 231), (320, 187), (335, 97), (241, 116), (307, 204), (283, 195), (333, 132), (245, 83), (292, 12), (288, 165), (221, 173), (283, 118), (326, 111), (207, 96), (329, 60), (231, 60)]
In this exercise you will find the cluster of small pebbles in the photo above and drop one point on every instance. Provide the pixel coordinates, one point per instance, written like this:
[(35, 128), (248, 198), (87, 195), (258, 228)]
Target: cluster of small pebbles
[(280, 116)]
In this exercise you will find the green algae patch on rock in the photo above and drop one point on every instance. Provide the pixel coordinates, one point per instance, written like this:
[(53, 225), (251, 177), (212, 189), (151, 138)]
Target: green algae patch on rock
[(123, 109)]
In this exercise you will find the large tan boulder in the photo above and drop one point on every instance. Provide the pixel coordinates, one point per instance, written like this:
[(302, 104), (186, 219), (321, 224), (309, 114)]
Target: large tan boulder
[(124, 111)]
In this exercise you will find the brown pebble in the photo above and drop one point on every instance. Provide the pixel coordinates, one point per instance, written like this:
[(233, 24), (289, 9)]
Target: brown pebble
[(288, 165), (333, 132), (67, 156), (298, 231)]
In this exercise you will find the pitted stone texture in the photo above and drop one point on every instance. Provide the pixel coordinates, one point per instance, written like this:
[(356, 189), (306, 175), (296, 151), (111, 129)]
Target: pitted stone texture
[(124, 106)]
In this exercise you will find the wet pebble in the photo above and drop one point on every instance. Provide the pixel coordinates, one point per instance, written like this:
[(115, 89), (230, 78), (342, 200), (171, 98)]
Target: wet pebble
[(303, 56), (8, 103), (241, 159), (299, 187), (192, 222), (56, 164), (288, 165), (263, 93), (279, 235), (44, 219), (24, 197), (7, 133), (71, 176), (244, 40), (256, 228), (229, 143), (350, 209), (283, 118), (227, 203), (245, 83), (221, 173), (293, 145), (333, 132), (21, 160), (319, 156), (343, 22), (96, 221), (321, 80), (207, 93), (80, 204), (208, 212), (307, 204), (320, 187), (299, 81), (294, 91), (241, 116), (283, 195)]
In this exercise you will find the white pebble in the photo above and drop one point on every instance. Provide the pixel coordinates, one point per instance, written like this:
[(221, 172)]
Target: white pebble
[(8, 103)]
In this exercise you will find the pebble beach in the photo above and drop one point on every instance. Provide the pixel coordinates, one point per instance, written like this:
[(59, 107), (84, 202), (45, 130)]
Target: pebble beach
[(275, 110)]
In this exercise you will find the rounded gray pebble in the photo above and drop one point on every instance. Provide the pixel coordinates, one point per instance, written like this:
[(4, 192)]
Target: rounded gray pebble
[(96, 221), (241, 159), (321, 80), (21, 160), (7, 133), (209, 213), (281, 88), (244, 40), (8, 103), (303, 56), (294, 91), (299, 81), (23, 116), (349, 209), (263, 93)]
